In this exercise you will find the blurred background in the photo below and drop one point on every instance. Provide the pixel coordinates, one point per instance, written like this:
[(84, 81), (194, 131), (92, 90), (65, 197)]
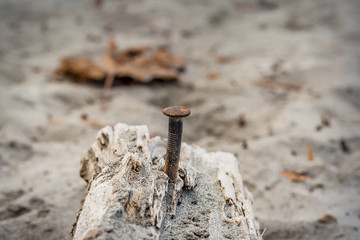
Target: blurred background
[(275, 82)]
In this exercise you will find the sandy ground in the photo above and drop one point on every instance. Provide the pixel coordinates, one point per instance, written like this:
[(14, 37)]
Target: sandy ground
[(314, 44)]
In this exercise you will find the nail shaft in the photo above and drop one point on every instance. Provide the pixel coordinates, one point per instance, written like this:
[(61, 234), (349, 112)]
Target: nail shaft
[(175, 114), (173, 148)]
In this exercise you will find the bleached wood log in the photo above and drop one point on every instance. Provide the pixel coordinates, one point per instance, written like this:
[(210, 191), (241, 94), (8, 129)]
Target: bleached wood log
[(129, 196)]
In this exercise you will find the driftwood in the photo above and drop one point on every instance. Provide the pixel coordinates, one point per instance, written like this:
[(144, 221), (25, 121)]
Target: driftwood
[(129, 196)]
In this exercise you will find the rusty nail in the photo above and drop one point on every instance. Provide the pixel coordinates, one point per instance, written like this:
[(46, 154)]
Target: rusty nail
[(175, 114)]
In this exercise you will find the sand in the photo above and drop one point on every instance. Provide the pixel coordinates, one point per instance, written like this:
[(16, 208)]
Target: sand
[(313, 44)]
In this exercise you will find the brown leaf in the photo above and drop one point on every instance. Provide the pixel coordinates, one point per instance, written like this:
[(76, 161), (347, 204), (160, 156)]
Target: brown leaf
[(278, 85), (327, 218), (140, 64), (310, 153), (294, 176)]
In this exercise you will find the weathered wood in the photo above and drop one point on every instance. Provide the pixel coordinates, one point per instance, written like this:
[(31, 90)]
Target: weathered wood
[(129, 196)]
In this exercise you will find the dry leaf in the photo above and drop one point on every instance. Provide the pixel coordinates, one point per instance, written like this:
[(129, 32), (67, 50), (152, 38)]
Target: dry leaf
[(327, 218), (310, 153), (278, 85), (294, 176), (140, 64), (213, 76)]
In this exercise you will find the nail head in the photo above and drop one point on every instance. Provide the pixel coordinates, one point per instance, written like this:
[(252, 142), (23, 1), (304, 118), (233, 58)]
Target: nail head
[(176, 111)]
